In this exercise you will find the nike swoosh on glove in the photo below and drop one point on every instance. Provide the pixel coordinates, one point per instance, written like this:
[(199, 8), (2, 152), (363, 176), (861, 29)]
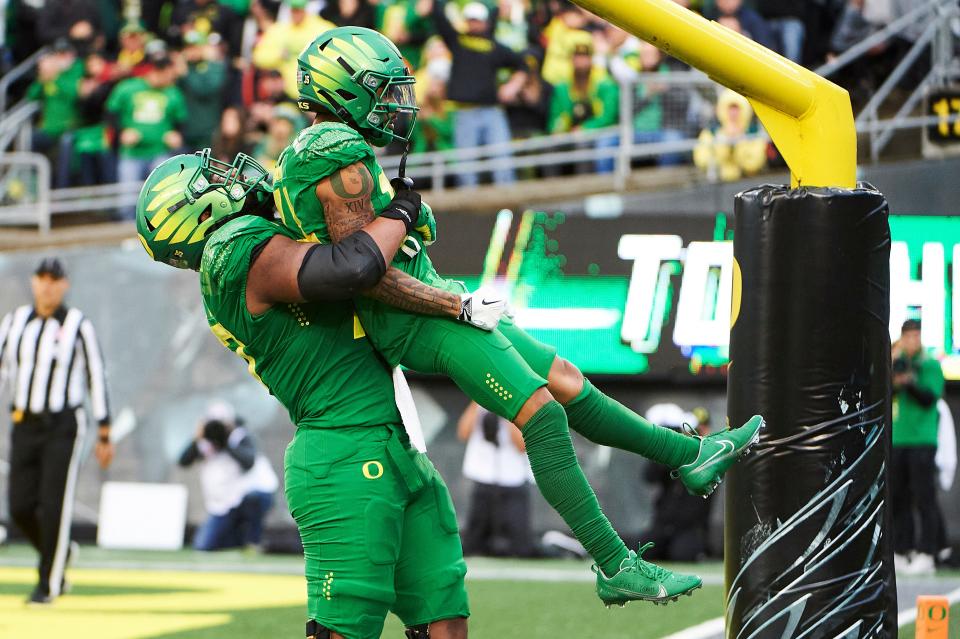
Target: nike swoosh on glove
[(482, 308)]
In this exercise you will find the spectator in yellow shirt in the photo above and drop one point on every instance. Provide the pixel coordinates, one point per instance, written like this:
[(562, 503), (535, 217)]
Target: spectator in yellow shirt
[(728, 152), (567, 30), (283, 41)]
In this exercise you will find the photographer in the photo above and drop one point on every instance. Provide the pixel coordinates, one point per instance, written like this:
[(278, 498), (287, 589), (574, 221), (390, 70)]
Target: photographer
[(681, 521), (495, 460), (917, 385), (237, 483)]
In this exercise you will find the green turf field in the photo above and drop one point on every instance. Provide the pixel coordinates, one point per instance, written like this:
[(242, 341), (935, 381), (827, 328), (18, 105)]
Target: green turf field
[(186, 595), (230, 595)]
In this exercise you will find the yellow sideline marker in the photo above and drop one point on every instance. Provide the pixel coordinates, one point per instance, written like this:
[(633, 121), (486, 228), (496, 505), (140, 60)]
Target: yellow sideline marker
[(933, 617), (809, 118)]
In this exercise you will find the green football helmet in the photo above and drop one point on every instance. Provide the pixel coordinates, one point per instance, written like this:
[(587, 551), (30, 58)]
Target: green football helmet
[(188, 197), (359, 76)]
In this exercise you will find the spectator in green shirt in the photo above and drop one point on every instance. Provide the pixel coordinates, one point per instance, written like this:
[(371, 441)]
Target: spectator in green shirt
[(435, 123), (407, 25), (147, 113), (917, 385), (357, 13), (281, 131), (649, 125), (91, 148), (202, 81), (588, 100), (56, 88)]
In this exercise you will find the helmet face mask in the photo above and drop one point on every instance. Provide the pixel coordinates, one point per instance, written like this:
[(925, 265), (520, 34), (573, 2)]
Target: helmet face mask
[(359, 76), (237, 179), (395, 113), (188, 197)]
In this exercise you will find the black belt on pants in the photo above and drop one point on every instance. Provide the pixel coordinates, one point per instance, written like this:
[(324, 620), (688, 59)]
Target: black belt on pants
[(47, 418)]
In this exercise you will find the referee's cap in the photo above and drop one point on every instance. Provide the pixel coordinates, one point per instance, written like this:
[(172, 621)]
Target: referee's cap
[(51, 266)]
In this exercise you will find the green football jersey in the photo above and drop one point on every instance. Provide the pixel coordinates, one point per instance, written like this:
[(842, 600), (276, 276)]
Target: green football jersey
[(318, 152), (310, 356)]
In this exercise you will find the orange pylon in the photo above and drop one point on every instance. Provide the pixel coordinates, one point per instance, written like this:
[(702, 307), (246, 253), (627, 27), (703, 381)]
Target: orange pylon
[(933, 617)]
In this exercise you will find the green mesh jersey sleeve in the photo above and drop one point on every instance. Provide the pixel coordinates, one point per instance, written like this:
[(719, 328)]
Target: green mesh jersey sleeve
[(311, 356), (318, 152), (226, 255)]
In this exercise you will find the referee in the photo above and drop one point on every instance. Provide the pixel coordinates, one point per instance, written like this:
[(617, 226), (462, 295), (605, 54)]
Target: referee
[(50, 357)]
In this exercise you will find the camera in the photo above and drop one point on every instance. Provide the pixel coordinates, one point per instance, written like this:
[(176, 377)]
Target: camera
[(215, 432), (491, 428)]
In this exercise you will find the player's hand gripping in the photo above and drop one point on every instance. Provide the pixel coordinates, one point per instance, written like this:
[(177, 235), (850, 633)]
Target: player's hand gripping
[(482, 308), (405, 205), (425, 225)]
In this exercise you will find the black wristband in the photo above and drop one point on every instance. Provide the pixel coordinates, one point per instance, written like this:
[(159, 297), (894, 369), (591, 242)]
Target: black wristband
[(405, 206)]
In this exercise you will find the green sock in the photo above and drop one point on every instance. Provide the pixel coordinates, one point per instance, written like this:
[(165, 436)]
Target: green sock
[(606, 421), (563, 485)]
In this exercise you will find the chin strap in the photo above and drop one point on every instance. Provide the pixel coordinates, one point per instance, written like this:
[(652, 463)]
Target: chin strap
[(401, 172)]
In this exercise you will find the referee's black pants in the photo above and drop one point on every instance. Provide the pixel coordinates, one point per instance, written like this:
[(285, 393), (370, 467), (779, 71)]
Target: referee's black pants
[(44, 462)]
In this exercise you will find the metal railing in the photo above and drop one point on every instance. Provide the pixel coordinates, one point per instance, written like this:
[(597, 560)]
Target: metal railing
[(938, 18), (693, 90), (104, 197), (17, 73), (880, 37), (16, 126), (25, 190)]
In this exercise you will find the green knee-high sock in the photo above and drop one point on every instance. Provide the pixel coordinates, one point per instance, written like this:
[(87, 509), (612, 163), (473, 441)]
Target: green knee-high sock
[(605, 421), (563, 485)]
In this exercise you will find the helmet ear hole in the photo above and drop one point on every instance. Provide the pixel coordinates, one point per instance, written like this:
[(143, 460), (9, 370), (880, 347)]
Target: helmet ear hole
[(205, 214)]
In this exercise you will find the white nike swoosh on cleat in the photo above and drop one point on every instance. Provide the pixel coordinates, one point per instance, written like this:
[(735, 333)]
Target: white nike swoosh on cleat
[(723, 452)]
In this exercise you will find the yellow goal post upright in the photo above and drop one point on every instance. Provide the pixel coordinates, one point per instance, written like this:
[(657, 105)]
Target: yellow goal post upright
[(807, 549)]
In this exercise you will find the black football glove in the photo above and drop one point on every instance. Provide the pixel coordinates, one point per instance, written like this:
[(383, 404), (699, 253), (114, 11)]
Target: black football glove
[(405, 205)]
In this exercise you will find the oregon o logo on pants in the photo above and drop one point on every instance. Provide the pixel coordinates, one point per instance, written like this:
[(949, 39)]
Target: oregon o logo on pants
[(372, 470)]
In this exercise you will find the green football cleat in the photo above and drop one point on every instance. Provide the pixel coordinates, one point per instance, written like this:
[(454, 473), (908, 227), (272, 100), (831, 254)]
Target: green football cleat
[(718, 452), (639, 580)]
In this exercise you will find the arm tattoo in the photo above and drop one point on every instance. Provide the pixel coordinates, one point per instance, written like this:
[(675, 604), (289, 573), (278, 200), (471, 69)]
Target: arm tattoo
[(349, 208), (352, 182), (410, 294), (347, 211)]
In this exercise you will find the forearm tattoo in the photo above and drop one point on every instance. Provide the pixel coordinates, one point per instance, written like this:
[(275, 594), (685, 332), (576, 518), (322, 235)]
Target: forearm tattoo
[(410, 294), (347, 210)]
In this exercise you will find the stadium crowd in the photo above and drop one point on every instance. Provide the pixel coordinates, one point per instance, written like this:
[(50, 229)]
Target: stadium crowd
[(121, 89)]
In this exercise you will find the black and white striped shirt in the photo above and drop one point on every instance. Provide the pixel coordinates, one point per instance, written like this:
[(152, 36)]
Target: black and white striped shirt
[(51, 362)]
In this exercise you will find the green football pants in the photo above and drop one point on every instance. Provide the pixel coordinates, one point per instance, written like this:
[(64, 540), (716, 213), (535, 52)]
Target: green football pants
[(378, 528), (487, 365)]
